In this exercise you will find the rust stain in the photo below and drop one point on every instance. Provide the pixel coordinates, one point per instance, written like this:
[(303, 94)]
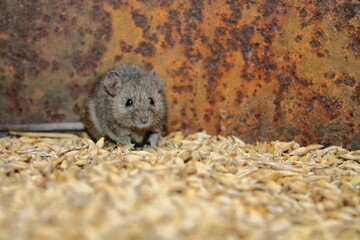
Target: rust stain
[(36, 95), (260, 70)]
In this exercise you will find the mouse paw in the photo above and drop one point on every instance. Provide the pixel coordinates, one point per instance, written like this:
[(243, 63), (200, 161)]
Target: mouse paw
[(154, 139)]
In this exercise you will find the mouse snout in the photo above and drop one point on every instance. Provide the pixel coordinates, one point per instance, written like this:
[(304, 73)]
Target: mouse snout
[(144, 119)]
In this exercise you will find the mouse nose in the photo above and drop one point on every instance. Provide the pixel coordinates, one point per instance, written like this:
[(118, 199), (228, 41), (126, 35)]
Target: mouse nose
[(144, 120)]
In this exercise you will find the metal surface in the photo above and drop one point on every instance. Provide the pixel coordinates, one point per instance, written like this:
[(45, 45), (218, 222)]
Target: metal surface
[(45, 127), (261, 70)]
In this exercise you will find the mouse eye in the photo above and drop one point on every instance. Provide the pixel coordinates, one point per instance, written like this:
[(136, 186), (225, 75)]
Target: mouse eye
[(151, 101), (129, 102)]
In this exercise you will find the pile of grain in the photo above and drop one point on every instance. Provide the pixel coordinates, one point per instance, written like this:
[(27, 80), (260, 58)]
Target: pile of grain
[(195, 187)]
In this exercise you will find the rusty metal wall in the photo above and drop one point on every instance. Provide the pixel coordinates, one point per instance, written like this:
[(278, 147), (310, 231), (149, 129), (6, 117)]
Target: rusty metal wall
[(262, 70)]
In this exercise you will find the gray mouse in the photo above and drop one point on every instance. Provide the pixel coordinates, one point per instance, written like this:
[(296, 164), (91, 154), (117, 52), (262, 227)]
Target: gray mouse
[(128, 106)]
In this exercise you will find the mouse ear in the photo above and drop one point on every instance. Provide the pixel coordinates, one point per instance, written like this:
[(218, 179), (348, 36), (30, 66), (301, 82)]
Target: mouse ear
[(157, 81), (112, 83)]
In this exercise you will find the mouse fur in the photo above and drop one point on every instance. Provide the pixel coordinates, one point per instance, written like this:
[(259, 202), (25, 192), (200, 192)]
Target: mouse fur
[(128, 105)]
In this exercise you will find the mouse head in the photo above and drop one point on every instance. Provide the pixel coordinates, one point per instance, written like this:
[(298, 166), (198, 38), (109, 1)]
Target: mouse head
[(115, 81), (137, 97)]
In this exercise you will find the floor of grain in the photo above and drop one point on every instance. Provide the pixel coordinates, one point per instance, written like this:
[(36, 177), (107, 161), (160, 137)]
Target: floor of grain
[(193, 187)]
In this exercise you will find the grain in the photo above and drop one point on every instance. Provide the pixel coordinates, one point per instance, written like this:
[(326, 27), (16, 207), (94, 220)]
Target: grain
[(55, 186)]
